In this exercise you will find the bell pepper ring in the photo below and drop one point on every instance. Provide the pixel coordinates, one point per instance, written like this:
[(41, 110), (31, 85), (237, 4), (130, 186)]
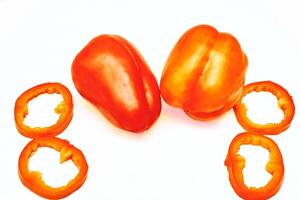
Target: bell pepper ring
[(64, 109), (285, 103), (33, 179), (235, 164), (204, 74)]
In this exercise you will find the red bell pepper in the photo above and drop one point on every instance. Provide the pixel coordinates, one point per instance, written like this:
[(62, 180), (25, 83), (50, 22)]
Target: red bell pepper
[(285, 103), (64, 109), (204, 74), (33, 180), (111, 74), (235, 164)]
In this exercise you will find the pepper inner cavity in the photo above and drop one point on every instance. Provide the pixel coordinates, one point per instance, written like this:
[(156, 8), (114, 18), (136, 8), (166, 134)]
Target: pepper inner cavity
[(256, 158), (47, 161), (41, 110), (262, 108)]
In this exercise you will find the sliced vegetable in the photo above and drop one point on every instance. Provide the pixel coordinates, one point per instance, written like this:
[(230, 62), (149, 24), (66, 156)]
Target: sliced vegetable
[(64, 109), (235, 164), (285, 103), (33, 179)]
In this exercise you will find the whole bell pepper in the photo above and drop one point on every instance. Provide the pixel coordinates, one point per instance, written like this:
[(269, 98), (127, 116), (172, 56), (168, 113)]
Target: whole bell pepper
[(111, 74), (204, 74)]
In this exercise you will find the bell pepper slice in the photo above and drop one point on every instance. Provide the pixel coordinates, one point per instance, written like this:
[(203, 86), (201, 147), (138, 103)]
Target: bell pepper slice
[(285, 103), (33, 179), (64, 109), (235, 164)]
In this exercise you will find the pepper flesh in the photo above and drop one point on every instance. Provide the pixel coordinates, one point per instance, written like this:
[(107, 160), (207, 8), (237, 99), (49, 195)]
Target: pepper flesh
[(285, 103), (204, 74), (110, 73), (235, 164), (64, 109), (33, 179)]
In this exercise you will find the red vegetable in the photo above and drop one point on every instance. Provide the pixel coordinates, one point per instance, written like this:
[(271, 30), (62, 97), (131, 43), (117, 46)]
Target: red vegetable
[(285, 102), (111, 74), (235, 164), (64, 109), (204, 74), (33, 180)]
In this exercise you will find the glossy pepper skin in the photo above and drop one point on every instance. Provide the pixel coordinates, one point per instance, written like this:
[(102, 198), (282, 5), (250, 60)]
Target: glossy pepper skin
[(235, 164), (64, 109), (285, 103), (33, 179), (204, 73), (111, 74)]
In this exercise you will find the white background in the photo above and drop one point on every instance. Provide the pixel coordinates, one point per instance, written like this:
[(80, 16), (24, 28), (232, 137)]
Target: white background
[(178, 158)]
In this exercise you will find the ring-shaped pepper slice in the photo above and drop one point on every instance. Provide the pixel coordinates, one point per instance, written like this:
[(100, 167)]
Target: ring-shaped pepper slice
[(33, 179), (285, 103), (235, 164), (64, 109)]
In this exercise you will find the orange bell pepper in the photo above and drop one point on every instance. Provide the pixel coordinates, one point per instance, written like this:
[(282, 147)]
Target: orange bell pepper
[(285, 103), (111, 74), (33, 180), (235, 164), (64, 109), (204, 74)]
